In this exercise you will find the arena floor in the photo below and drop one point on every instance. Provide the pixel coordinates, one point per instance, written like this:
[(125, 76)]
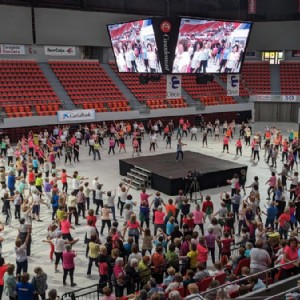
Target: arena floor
[(107, 169)]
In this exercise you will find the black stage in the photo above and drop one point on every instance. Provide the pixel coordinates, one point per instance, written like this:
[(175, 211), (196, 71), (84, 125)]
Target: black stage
[(167, 175)]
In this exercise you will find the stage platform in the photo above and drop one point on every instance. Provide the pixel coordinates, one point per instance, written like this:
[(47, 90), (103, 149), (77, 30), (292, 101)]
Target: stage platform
[(167, 174)]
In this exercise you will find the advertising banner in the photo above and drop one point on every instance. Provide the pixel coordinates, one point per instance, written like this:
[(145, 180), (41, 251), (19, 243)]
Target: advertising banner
[(233, 85), (76, 115), (173, 86), (264, 98), (60, 51), (289, 98), (12, 49), (251, 7), (166, 33)]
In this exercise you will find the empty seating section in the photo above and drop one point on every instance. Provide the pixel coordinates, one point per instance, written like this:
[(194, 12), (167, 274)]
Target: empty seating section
[(256, 77), (208, 94), (290, 78), (23, 87), (89, 86), (152, 94)]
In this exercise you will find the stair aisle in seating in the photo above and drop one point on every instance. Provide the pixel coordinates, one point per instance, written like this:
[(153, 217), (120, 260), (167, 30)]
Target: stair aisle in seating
[(152, 94), (89, 86)]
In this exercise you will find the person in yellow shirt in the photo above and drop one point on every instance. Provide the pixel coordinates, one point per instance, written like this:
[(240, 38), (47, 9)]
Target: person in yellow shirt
[(60, 214), (94, 251), (192, 255)]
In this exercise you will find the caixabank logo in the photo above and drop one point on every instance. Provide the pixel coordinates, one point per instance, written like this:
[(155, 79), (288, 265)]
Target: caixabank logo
[(165, 26)]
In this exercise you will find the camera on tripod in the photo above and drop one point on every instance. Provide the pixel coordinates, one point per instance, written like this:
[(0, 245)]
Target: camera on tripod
[(192, 185), (193, 176)]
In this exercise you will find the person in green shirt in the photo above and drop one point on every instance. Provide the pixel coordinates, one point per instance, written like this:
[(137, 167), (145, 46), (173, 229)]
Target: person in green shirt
[(3, 147), (97, 150), (39, 182), (172, 258)]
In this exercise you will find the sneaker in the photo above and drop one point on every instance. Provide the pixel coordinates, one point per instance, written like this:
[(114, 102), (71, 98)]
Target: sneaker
[(73, 284), (64, 283)]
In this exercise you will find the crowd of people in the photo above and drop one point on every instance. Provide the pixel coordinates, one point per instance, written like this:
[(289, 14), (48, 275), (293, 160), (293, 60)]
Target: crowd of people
[(151, 246)]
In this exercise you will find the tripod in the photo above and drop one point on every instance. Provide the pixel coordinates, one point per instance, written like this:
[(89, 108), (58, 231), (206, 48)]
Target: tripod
[(194, 189)]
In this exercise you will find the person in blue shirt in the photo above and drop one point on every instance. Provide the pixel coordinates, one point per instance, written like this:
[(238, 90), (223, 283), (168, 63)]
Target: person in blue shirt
[(271, 215), (24, 289), (35, 165), (54, 203), (170, 226), (11, 182)]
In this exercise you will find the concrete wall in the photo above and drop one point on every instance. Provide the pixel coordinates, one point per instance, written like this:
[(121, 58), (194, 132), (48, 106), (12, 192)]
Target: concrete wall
[(131, 115)]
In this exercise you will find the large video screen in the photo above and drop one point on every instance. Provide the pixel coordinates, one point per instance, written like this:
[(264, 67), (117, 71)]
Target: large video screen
[(210, 46), (135, 47)]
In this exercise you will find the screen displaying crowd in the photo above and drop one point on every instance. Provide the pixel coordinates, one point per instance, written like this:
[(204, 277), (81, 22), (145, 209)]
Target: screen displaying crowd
[(135, 47), (209, 46)]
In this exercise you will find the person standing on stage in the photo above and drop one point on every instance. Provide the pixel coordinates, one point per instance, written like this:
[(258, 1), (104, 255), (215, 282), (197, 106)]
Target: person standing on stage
[(179, 150)]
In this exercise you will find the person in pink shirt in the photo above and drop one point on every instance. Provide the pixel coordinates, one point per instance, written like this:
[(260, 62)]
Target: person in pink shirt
[(238, 145), (202, 251), (226, 144), (199, 218), (144, 196), (68, 264), (290, 253), (30, 145), (65, 226), (111, 144)]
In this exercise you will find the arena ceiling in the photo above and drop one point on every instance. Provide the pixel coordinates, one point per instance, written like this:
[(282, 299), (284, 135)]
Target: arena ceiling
[(267, 10)]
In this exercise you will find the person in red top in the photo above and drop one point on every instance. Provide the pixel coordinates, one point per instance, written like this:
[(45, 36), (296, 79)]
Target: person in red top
[(208, 207), (64, 177), (285, 150), (91, 217), (268, 135), (170, 209), (166, 131), (284, 223), (225, 244), (189, 220), (226, 144), (158, 262), (202, 251), (159, 220), (31, 176), (3, 269), (238, 145), (290, 253)]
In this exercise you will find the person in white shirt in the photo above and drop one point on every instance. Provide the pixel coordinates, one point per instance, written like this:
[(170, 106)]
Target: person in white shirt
[(194, 133), (111, 203), (95, 183), (59, 247), (152, 141)]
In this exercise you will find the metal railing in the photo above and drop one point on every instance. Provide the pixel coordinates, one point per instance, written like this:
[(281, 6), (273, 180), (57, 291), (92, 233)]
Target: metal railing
[(265, 272), (283, 295), (87, 293)]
